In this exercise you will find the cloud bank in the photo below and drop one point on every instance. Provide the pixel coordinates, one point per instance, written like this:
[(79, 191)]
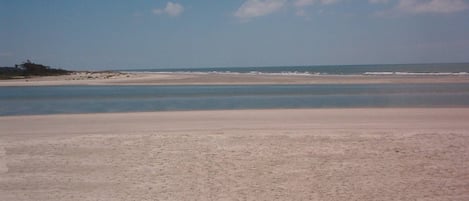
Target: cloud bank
[(432, 6), (257, 8)]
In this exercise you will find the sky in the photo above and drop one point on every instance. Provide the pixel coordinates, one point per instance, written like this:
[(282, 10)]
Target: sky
[(122, 34)]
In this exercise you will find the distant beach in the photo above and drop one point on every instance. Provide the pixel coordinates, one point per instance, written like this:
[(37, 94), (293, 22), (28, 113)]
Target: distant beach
[(187, 78)]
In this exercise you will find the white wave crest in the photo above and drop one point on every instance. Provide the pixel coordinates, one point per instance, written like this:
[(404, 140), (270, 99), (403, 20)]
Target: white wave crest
[(411, 73)]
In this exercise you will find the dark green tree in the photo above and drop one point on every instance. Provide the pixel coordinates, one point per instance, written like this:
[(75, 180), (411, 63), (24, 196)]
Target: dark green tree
[(32, 69)]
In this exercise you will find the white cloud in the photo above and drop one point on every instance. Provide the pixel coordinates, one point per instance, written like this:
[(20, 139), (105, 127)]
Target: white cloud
[(256, 8), (171, 9), (432, 6)]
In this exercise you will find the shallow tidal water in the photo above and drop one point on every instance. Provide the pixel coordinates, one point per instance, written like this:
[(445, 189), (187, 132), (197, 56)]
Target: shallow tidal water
[(99, 99)]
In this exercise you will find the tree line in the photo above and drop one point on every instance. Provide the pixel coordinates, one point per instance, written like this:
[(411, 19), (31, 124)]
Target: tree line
[(28, 69)]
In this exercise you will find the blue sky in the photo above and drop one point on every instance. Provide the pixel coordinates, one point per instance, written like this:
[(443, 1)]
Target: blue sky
[(118, 34)]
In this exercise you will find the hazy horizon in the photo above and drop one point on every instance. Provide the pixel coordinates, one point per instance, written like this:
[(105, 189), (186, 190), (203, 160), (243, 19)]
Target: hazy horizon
[(105, 35)]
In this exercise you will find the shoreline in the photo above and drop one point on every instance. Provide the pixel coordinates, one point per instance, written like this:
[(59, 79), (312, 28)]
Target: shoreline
[(324, 109), (366, 119), (123, 78), (303, 154), (359, 111)]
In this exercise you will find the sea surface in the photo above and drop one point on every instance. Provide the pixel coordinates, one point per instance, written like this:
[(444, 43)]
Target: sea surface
[(377, 69), (99, 99)]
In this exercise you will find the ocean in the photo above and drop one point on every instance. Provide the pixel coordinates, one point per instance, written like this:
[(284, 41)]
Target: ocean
[(99, 99), (377, 69)]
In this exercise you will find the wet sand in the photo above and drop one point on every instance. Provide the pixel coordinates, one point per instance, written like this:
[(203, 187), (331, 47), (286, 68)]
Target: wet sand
[(305, 154)]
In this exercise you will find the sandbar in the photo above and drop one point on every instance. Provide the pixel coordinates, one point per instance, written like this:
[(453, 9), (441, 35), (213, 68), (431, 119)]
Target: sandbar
[(129, 78)]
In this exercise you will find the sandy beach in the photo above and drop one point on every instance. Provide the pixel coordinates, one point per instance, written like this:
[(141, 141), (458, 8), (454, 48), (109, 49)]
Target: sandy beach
[(122, 78), (304, 154), (248, 100)]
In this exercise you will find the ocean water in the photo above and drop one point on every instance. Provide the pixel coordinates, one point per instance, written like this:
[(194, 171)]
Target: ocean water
[(98, 99), (378, 69)]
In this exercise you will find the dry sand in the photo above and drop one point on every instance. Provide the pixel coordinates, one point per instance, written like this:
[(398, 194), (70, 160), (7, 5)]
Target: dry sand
[(314, 154), (115, 78)]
